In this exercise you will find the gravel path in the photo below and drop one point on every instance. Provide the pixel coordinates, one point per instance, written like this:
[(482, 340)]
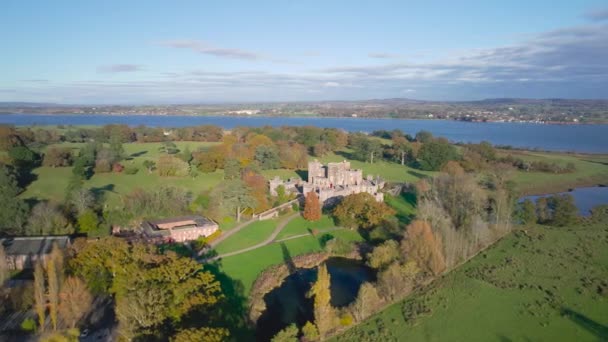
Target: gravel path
[(269, 240)]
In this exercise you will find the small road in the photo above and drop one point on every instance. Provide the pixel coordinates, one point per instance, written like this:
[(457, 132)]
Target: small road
[(227, 235), (308, 234), (269, 240)]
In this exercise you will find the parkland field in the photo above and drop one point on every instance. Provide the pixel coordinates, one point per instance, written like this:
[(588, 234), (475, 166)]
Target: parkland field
[(539, 283)]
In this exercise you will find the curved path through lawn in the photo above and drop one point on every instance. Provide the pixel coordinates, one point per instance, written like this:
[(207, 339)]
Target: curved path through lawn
[(269, 240), (226, 235)]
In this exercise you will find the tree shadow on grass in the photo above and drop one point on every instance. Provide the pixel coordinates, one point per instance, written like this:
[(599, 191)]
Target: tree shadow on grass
[(99, 191), (597, 329), (417, 174), (231, 311), (303, 174), (138, 154), (345, 155)]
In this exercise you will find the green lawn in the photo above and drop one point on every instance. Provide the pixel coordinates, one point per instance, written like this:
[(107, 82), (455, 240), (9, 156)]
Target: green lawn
[(404, 205), (546, 285), (590, 170), (52, 182), (246, 267), (300, 226), (254, 233)]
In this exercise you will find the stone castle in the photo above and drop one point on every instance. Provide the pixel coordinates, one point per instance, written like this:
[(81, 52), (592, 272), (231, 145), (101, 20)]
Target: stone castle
[(331, 182)]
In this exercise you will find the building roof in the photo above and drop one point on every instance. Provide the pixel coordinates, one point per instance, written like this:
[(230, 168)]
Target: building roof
[(33, 244), (162, 227), (175, 222)]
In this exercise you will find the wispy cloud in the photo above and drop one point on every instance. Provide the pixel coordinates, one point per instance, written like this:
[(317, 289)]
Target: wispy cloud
[(116, 68), (382, 55), (208, 49), (597, 14)]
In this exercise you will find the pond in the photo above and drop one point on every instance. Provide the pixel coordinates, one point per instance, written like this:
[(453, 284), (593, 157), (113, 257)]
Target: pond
[(584, 198), (288, 304)]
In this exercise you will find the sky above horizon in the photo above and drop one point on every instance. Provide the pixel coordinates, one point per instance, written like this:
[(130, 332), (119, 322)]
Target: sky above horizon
[(155, 52)]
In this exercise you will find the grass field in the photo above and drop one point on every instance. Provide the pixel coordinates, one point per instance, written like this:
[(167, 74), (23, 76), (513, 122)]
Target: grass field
[(590, 170), (300, 226), (542, 284), (51, 183), (254, 233), (246, 267)]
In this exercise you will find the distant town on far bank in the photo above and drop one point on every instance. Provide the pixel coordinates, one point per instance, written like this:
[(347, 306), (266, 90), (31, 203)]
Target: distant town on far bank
[(558, 111)]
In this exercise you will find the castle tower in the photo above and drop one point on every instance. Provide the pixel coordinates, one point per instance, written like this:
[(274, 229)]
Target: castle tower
[(315, 170)]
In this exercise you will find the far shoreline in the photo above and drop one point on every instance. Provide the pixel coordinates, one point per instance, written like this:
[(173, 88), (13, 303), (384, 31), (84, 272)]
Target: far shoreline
[(558, 123)]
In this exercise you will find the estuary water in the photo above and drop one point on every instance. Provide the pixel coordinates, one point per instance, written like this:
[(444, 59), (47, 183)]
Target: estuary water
[(571, 138), (584, 198)]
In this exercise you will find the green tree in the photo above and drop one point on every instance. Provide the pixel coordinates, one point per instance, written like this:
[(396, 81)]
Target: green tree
[(237, 197), (13, 211), (361, 210), (434, 154), (543, 212), (289, 334), (526, 211), (325, 315), (424, 136), (565, 212), (267, 157), (149, 165), (88, 221), (232, 169)]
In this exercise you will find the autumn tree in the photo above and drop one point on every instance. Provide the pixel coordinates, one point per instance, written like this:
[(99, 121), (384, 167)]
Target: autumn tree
[(259, 189), (75, 301), (39, 295), (366, 303), (47, 218), (543, 212), (325, 315), (361, 210), (171, 166), (384, 254), (80, 200), (422, 246), (397, 280), (201, 334), (4, 270), (289, 334), (310, 332), (312, 207), (57, 157), (55, 272)]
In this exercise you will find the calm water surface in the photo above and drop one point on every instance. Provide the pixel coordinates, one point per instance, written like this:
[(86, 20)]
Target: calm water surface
[(288, 303), (585, 198), (577, 138)]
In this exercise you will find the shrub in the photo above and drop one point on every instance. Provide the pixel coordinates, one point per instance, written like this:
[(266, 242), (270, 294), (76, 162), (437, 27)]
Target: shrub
[(131, 170), (28, 325)]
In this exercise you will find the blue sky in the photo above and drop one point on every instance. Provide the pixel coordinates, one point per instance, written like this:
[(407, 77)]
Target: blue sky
[(137, 52)]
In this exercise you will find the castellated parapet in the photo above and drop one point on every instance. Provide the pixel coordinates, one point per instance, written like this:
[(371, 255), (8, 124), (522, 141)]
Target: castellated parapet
[(332, 182)]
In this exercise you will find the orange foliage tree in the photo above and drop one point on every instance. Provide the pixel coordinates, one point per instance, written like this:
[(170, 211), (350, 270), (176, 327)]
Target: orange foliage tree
[(422, 246), (312, 207), (259, 189)]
